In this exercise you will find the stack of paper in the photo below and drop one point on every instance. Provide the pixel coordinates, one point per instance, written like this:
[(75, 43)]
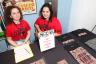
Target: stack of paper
[(22, 53)]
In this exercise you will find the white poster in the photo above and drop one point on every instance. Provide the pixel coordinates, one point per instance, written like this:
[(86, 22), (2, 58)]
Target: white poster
[(46, 40)]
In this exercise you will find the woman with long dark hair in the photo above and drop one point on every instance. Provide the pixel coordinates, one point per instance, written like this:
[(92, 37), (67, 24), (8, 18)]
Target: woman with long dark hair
[(47, 21)]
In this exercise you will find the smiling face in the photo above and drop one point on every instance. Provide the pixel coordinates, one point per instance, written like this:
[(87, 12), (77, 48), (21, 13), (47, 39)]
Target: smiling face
[(46, 13), (15, 14)]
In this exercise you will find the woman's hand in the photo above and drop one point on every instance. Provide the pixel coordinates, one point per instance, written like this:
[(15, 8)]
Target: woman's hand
[(21, 44)]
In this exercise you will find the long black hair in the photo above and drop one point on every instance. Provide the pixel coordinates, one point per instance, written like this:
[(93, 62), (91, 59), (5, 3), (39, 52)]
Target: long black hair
[(51, 11), (7, 14)]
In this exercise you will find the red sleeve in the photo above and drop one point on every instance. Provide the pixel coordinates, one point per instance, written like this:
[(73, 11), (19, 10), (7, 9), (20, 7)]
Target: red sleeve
[(38, 21), (26, 25), (58, 28), (8, 31)]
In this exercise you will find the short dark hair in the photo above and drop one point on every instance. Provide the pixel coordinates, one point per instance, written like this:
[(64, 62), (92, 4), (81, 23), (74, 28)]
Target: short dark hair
[(50, 8), (7, 14)]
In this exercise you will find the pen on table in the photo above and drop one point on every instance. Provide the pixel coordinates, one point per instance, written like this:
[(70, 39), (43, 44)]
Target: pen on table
[(27, 50)]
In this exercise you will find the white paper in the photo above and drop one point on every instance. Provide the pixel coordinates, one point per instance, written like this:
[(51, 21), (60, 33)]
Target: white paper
[(22, 53), (47, 40)]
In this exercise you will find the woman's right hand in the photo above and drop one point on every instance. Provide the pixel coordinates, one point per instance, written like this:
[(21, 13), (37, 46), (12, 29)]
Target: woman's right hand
[(38, 33)]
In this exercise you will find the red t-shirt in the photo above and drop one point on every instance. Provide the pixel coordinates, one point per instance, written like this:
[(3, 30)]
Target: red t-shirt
[(46, 25), (17, 31)]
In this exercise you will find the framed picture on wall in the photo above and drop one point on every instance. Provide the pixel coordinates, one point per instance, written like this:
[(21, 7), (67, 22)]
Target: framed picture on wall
[(27, 6)]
